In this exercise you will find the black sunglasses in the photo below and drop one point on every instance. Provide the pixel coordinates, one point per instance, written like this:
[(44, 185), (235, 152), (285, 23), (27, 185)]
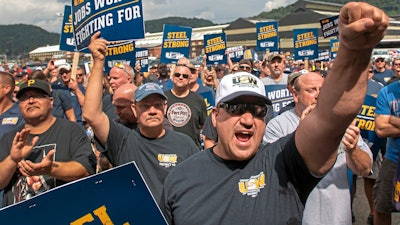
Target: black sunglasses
[(186, 76), (239, 109), (245, 67)]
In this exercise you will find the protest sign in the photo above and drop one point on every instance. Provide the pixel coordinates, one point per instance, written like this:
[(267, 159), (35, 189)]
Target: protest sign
[(120, 52), (215, 47), (142, 58), (279, 95), (116, 196), (235, 53), (120, 20), (67, 41), (334, 47), (330, 26), (176, 43), (267, 36), (305, 42)]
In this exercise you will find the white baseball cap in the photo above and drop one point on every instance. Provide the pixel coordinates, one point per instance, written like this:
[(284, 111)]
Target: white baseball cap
[(238, 84), (64, 66)]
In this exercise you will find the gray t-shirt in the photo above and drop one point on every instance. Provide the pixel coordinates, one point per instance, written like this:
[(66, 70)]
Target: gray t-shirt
[(155, 158), (281, 126), (71, 144), (270, 81), (271, 188)]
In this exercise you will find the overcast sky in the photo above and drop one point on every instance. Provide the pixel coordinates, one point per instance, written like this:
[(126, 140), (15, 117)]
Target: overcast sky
[(44, 13)]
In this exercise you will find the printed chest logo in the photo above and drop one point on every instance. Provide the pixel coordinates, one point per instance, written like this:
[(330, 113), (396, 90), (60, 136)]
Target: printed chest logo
[(167, 160), (179, 114), (9, 121), (253, 185)]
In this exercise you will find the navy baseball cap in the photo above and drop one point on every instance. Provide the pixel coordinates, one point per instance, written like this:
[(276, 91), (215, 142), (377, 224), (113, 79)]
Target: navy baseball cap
[(148, 89)]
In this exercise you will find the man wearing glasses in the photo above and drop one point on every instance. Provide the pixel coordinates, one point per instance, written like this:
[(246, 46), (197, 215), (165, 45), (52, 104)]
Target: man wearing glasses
[(44, 152), (81, 76), (155, 150), (240, 181), (186, 110), (245, 65), (381, 74)]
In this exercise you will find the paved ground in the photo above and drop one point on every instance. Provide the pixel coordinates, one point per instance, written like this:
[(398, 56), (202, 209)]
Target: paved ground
[(361, 207)]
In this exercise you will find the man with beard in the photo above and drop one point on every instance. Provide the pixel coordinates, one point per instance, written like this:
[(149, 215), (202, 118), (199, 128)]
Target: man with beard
[(276, 66), (163, 80)]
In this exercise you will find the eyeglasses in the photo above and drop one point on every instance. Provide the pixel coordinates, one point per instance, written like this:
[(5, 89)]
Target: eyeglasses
[(239, 109), (122, 67), (185, 76), (247, 68), (79, 75), (396, 64), (63, 71), (24, 98), (379, 60)]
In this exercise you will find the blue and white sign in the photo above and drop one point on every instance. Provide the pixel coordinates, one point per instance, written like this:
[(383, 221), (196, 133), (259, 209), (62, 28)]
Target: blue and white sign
[(215, 47), (279, 95), (142, 58), (67, 41), (116, 196), (120, 20), (120, 52), (330, 26), (267, 36), (235, 53), (176, 43), (305, 43)]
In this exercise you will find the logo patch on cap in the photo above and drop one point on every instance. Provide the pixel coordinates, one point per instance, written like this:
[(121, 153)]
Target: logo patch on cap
[(244, 81)]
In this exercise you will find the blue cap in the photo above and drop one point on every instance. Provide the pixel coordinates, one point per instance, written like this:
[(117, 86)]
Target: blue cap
[(148, 89)]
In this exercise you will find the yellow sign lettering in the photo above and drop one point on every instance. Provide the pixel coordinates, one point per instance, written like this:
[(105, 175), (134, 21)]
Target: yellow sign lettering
[(101, 213), (176, 35)]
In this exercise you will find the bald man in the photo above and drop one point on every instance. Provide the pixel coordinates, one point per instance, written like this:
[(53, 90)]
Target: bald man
[(122, 101)]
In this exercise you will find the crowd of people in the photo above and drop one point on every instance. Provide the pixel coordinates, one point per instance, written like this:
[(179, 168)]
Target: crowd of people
[(232, 161)]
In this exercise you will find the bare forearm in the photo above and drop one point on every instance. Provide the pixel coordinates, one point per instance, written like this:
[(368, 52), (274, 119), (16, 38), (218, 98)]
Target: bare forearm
[(68, 171), (395, 121), (359, 162), (70, 114), (7, 170), (338, 103), (386, 126), (80, 96), (93, 108)]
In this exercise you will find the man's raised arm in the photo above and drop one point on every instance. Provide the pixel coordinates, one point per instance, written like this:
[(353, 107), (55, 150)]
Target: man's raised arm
[(361, 27), (92, 109)]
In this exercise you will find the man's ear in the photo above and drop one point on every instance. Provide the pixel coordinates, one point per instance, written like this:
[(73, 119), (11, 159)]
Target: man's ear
[(214, 114), (133, 108)]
